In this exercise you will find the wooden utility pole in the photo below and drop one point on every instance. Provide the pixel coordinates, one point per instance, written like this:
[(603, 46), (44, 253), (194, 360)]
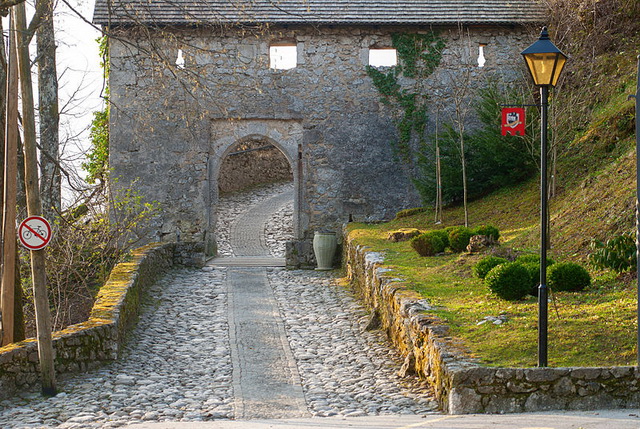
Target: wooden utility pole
[(34, 205), (10, 188)]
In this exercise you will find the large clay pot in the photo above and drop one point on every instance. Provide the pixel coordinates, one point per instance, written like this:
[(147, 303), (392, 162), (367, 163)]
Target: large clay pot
[(324, 247)]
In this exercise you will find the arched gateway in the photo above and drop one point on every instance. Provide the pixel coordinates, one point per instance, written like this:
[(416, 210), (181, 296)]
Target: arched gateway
[(188, 79), (284, 135)]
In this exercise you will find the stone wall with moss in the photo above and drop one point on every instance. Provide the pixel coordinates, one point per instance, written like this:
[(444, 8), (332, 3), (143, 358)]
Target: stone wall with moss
[(461, 384), (86, 345)]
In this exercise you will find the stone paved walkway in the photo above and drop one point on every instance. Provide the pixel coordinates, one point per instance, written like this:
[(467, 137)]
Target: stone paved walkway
[(235, 343)]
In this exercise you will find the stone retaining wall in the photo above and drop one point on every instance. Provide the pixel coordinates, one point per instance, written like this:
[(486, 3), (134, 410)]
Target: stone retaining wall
[(85, 345), (460, 384)]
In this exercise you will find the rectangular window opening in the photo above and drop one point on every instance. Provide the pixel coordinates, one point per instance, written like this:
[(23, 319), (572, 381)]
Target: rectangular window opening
[(283, 57), (481, 59), (386, 57)]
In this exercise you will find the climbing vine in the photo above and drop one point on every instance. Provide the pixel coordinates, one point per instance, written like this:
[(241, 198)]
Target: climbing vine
[(419, 55), (97, 163)]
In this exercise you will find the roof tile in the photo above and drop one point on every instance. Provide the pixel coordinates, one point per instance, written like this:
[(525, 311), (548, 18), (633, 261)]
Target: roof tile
[(336, 12)]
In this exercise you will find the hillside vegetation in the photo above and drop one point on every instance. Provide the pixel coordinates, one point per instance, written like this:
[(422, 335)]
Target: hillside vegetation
[(593, 122)]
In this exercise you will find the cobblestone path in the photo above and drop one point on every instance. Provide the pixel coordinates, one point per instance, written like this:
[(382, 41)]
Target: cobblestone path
[(190, 357)]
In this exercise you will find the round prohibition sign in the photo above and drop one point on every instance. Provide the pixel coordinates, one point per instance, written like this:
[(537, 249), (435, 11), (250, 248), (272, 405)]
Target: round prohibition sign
[(34, 232)]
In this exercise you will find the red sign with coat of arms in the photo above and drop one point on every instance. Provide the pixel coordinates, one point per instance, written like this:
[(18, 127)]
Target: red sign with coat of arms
[(513, 122)]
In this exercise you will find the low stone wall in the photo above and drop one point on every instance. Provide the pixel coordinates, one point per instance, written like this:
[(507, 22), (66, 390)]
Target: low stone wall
[(461, 384), (87, 344)]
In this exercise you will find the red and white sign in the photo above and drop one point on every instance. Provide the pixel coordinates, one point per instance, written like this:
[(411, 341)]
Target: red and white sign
[(513, 121), (34, 232)]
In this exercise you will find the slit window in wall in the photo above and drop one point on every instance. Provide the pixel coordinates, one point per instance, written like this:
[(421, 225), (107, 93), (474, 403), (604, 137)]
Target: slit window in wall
[(481, 59), (283, 57), (180, 59), (386, 57)]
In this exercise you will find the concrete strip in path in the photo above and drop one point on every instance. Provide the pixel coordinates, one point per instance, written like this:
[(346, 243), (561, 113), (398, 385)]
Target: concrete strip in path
[(605, 419), (266, 381), (247, 261)]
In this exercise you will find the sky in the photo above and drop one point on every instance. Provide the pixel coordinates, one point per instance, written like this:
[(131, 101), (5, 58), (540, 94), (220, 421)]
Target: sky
[(80, 80), (79, 74)]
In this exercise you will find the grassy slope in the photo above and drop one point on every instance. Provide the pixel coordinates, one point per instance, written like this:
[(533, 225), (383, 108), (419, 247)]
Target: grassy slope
[(595, 200)]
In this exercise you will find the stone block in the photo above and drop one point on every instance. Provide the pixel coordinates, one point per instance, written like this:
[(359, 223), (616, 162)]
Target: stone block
[(564, 387), (544, 375), (599, 401), (463, 400), (586, 373), (621, 371), (540, 401), (500, 404)]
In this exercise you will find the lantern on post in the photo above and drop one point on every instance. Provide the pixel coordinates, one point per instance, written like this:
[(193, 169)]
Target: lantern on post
[(545, 63)]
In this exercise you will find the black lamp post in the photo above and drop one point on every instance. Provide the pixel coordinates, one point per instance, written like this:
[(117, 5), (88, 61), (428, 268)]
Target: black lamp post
[(545, 63)]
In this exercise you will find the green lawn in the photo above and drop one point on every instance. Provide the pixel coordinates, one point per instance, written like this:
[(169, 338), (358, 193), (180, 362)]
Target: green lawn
[(596, 327)]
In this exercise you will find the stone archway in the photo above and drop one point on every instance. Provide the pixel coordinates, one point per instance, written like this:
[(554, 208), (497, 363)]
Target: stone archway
[(284, 135), (252, 162)]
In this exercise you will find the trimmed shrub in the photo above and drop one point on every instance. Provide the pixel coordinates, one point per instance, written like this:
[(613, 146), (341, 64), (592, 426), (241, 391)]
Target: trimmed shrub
[(444, 236), (486, 264), (459, 238), (510, 281), (427, 244), (567, 276), (533, 258), (488, 230), (534, 273)]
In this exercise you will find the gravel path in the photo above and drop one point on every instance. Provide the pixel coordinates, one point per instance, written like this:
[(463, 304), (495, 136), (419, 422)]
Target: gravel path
[(178, 364)]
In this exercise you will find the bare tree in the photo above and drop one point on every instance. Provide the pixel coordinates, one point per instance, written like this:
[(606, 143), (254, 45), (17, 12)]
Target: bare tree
[(50, 183), (460, 92)]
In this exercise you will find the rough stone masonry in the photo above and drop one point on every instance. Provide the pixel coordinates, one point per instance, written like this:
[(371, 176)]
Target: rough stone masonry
[(173, 124)]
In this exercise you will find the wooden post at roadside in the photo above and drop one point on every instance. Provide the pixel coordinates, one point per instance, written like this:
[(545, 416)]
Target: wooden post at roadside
[(10, 189), (34, 206)]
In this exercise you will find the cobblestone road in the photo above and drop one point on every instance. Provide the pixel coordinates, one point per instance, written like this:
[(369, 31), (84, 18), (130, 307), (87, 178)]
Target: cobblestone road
[(186, 359)]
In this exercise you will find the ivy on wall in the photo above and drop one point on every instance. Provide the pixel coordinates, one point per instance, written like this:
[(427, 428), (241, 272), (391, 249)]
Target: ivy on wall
[(97, 159), (418, 57)]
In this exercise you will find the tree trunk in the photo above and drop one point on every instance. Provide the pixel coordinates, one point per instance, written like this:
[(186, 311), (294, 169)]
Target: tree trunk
[(9, 193), (463, 160), (34, 206), (49, 116), (18, 301), (438, 217)]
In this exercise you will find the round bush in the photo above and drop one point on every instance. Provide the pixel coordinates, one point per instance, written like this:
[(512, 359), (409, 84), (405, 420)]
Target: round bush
[(444, 236), (510, 281), (427, 244), (534, 275), (533, 258), (567, 276), (486, 264), (488, 230), (459, 238)]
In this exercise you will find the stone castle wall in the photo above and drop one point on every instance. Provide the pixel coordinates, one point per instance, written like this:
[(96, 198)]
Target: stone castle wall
[(172, 127)]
